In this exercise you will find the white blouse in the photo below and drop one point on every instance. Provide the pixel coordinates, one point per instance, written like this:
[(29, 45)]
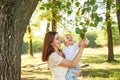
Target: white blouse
[(58, 72)]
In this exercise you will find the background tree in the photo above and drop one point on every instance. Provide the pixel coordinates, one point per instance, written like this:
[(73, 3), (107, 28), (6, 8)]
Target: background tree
[(118, 14), (34, 24), (56, 12), (14, 17), (54, 22), (30, 40), (109, 31), (51, 13)]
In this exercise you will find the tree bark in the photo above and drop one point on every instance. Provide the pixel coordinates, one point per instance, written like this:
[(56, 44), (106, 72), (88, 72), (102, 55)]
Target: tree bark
[(54, 22), (48, 26), (54, 27), (109, 32), (14, 17), (118, 14)]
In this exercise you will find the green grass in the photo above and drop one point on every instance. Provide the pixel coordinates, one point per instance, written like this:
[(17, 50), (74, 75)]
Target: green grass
[(98, 68)]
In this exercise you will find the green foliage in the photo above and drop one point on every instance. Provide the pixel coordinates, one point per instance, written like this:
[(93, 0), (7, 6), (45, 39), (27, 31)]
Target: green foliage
[(77, 4), (36, 18), (42, 8), (69, 12), (61, 8), (37, 43), (68, 4), (40, 0), (115, 35), (50, 10), (87, 14), (81, 32), (92, 2), (25, 47), (52, 5), (95, 7), (92, 38), (37, 46), (101, 38)]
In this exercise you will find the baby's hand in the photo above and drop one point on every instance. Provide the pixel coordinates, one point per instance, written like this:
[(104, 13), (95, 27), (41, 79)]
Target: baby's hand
[(84, 42)]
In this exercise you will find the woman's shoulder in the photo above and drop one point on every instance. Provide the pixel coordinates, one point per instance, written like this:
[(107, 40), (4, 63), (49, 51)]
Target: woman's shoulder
[(55, 59), (53, 54)]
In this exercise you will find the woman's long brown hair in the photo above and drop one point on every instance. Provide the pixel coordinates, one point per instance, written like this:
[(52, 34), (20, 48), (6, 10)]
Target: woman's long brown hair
[(47, 49)]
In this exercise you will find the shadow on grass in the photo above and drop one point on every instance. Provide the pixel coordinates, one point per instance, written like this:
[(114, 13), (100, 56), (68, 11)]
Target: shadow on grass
[(100, 59), (43, 72), (36, 75), (34, 78), (103, 73)]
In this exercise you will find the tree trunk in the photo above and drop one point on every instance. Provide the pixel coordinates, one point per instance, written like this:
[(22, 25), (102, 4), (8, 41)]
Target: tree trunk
[(14, 17), (48, 26), (54, 22), (118, 14), (54, 27), (30, 41), (109, 32)]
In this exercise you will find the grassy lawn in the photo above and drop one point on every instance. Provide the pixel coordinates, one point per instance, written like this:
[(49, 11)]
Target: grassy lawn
[(98, 69)]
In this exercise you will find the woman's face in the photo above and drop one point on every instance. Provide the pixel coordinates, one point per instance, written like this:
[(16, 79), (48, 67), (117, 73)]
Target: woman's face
[(56, 41)]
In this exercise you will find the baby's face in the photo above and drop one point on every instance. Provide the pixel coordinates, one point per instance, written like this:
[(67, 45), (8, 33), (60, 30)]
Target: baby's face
[(68, 40)]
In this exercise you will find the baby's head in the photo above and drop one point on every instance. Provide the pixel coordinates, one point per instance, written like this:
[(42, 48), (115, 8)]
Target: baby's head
[(68, 40)]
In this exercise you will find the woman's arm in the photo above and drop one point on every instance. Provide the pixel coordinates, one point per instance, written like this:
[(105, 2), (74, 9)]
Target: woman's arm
[(75, 61)]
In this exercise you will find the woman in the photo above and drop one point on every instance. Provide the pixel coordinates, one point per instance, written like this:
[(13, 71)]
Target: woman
[(56, 60)]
